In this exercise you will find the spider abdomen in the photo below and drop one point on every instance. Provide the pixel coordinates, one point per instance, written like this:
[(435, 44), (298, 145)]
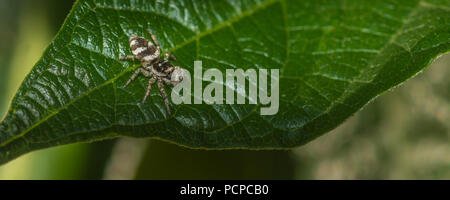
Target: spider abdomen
[(144, 49)]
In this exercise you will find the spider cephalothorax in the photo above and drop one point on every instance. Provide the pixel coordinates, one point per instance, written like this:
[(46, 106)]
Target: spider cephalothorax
[(160, 71)]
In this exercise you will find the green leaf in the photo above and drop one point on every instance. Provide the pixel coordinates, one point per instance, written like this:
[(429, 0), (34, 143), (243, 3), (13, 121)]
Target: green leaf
[(334, 57)]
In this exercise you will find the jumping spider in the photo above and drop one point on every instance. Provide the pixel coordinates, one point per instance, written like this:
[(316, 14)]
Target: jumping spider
[(160, 71)]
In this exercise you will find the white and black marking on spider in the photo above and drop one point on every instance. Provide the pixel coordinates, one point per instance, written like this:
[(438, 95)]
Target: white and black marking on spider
[(160, 71)]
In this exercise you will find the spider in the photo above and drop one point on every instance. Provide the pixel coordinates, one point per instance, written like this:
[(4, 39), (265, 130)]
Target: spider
[(160, 71)]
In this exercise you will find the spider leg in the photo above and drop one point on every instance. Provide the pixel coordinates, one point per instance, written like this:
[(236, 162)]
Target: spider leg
[(127, 57), (146, 73), (154, 38), (164, 96), (169, 82), (149, 87), (136, 73), (169, 55)]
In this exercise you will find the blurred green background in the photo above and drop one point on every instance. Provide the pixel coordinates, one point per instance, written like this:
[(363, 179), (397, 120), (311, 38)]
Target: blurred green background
[(403, 134)]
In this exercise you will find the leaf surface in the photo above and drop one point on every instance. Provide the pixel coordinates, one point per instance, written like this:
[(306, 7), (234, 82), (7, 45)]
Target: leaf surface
[(334, 57)]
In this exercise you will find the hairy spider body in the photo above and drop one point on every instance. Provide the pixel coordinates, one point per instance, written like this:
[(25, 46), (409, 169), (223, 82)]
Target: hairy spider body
[(160, 71)]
